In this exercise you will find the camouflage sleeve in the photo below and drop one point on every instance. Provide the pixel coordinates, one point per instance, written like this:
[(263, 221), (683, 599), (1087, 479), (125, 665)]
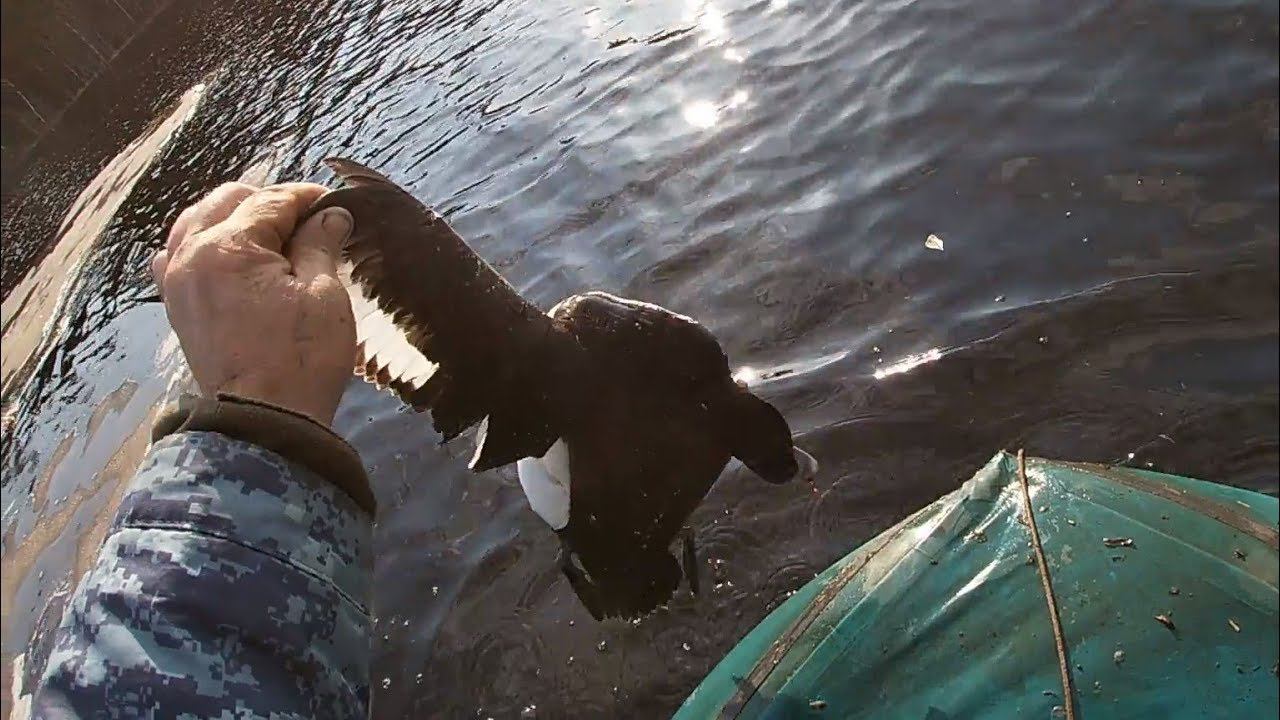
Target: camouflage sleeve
[(233, 583)]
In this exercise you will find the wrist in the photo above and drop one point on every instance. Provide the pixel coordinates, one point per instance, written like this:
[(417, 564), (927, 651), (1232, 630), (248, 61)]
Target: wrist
[(294, 395)]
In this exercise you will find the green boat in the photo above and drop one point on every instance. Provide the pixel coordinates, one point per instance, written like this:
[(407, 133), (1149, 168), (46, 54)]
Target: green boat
[(1048, 590)]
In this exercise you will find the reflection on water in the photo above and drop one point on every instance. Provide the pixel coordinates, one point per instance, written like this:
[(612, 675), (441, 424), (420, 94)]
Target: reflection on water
[(1103, 175), (908, 363)]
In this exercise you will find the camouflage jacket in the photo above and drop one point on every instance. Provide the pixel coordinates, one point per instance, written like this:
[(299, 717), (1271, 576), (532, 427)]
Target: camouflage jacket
[(233, 583)]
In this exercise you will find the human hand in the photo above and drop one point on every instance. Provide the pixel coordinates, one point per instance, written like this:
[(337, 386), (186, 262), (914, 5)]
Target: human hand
[(256, 302)]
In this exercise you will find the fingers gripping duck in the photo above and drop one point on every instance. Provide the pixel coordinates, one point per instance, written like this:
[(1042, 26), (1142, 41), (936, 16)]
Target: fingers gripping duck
[(619, 414)]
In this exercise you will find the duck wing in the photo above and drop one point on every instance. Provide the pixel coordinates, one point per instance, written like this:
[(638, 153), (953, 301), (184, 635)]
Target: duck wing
[(440, 327)]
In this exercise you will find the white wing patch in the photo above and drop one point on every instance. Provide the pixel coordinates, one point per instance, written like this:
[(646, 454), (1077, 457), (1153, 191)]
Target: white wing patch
[(381, 341), (482, 434), (546, 483)]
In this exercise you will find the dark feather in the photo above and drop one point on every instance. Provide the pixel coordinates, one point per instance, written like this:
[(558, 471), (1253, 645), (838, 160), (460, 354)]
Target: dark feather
[(452, 307)]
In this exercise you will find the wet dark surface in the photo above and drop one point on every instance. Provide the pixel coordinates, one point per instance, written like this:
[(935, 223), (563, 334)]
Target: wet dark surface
[(1103, 176)]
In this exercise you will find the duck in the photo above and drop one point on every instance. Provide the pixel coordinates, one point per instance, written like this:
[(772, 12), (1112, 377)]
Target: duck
[(618, 414)]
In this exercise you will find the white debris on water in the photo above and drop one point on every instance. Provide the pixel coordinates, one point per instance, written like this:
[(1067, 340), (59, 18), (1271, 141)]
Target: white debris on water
[(933, 242)]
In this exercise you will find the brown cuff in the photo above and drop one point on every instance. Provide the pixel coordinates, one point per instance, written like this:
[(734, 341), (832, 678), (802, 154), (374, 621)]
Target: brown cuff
[(291, 435)]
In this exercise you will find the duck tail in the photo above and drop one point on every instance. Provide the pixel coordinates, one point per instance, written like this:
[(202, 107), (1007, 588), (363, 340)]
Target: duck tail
[(630, 585)]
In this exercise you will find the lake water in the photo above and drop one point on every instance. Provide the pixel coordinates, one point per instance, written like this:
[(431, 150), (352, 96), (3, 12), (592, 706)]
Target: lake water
[(1102, 177)]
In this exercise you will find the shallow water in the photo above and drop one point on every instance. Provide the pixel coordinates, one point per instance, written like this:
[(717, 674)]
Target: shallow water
[(1102, 176)]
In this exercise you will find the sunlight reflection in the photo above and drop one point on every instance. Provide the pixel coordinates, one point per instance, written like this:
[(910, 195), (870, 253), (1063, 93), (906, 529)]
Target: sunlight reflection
[(908, 363), (709, 20), (701, 114), (705, 114), (592, 24), (747, 375), (712, 21)]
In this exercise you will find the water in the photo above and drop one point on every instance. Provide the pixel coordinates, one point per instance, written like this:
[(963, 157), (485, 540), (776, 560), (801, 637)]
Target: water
[(1102, 175)]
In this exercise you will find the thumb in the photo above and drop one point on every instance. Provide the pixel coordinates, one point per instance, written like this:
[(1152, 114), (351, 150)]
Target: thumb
[(315, 248)]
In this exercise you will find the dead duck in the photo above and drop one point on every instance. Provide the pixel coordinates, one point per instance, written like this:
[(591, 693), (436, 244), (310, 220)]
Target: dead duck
[(619, 414)]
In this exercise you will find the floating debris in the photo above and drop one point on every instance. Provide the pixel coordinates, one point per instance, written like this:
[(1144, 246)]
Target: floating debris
[(1174, 590), (1115, 542), (1166, 621), (1234, 625), (818, 705), (1071, 522), (602, 646), (999, 298), (933, 242), (1058, 711), (977, 536), (1118, 657), (1240, 554)]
